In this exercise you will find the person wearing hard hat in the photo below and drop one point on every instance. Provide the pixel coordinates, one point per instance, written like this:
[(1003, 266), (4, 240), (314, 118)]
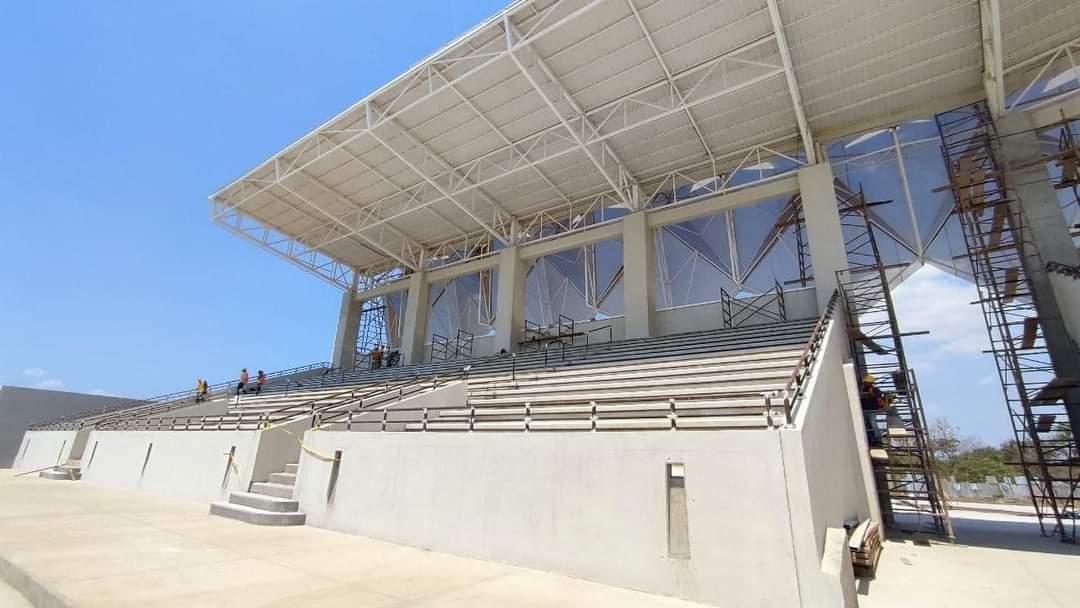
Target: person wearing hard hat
[(874, 404)]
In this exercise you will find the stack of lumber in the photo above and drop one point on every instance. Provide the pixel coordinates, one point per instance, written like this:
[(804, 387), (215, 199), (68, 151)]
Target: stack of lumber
[(865, 546)]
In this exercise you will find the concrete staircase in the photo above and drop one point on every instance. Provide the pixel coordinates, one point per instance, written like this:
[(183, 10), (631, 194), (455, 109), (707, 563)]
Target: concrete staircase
[(269, 503), (69, 471)]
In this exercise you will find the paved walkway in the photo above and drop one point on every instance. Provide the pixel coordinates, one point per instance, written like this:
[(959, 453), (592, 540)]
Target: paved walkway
[(96, 547), (999, 559)]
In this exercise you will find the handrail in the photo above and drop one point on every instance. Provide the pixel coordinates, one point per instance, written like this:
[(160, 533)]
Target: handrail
[(589, 333), (165, 399), (1063, 269), (792, 390), (547, 347)]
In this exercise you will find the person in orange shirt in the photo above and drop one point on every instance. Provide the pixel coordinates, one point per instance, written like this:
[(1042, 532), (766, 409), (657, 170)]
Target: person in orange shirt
[(260, 380)]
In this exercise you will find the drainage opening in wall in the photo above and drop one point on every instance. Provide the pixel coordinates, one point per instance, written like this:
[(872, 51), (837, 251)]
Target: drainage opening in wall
[(229, 464), (678, 529), (90, 461), (335, 468), (146, 461)]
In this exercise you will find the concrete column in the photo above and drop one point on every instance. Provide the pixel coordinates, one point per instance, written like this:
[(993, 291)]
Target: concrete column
[(348, 326), (417, 309), (1046, 239), (822, 228), (510, 301), (639, 276)]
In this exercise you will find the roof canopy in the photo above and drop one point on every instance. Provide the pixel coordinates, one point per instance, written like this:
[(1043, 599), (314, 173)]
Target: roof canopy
[(554, 108)]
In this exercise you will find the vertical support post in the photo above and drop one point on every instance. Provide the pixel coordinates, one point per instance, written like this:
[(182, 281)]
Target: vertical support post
[(1046, 239), (417, 308), (639, 276), (823, 228), (348, 327), (510, 302)]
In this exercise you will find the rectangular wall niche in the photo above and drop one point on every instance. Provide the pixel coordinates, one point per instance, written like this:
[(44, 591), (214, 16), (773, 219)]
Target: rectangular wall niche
[(678, 529)]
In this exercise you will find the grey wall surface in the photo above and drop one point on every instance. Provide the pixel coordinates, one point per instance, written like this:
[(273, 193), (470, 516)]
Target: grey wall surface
[(20, 407)]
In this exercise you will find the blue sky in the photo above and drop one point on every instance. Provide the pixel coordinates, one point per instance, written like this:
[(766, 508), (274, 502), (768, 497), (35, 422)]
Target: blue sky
[(119, 118)]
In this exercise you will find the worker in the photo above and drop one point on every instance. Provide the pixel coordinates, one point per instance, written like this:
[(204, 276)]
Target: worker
[(376, 356), (202, 390), (260, 380), (243, 381), (874, 404)]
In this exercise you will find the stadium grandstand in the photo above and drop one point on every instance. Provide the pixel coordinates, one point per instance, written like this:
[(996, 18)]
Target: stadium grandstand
[(616, 281)]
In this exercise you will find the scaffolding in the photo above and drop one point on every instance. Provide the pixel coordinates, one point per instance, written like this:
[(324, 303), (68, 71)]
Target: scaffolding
[(994, 234), (908, 487)]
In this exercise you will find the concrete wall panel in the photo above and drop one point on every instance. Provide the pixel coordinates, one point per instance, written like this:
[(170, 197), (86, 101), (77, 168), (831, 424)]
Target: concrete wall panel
[(43, 449), (592, 505)]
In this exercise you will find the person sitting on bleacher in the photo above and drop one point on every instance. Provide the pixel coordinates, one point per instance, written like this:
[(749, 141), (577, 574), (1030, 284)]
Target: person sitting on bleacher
[(874, 403)]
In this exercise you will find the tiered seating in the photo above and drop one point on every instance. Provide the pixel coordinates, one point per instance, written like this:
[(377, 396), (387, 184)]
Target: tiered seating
[(723, 378), (708, 392)]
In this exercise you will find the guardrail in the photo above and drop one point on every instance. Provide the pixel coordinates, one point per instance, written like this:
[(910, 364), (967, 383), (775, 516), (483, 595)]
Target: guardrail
[(767, 307), (793, 389), (315, 408), (153, 405), (590, 416), (1064, 269)]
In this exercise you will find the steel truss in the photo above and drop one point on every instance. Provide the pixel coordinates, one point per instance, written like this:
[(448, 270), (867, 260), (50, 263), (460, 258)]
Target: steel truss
[(994, 233), (908, 487), (507, 38)]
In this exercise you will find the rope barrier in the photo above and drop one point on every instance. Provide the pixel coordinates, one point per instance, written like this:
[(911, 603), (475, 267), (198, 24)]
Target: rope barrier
[(300, 441)]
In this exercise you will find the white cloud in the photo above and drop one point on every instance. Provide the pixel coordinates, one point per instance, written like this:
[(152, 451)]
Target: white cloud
[(933, 300), (35, 372), (50, 383)]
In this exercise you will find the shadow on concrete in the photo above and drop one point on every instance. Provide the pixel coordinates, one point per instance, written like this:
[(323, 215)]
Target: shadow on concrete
[(1008, 534)]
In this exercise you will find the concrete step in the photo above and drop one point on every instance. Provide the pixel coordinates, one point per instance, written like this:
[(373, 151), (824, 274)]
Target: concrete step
[(255, 516), (291, 468), (272, 489), (264, 502), (62, 474), (285, 479)]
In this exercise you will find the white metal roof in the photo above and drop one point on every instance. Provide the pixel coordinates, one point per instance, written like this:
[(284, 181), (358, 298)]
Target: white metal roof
[(553, 104)]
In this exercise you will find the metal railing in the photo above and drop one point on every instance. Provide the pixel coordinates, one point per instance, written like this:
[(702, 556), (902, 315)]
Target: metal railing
[(1063, 269), (154, 405), (588, 335), (589, 416), (315, 408), (763, 308), (792, 392)]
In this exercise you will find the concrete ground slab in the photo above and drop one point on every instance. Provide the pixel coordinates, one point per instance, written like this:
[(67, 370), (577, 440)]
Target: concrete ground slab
[(95, 547), (999, 559)]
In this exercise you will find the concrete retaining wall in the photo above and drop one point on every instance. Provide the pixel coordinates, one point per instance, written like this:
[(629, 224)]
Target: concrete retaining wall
[(593, 505), (187, 464), (42, 449)]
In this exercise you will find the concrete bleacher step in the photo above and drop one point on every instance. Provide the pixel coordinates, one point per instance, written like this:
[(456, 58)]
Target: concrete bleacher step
[(268, 503), (286, 479), (264, 502), (258, 517), (272, 489), (62, 473)]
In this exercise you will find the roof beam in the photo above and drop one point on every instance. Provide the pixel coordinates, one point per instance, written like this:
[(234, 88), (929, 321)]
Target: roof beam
[(499, 216), (792, 82), (671, 81), (993, 65), (621, 181), (402, 256)]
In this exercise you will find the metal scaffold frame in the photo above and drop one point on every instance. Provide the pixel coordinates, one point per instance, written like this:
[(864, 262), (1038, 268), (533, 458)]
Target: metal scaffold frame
[(994, 232), (908, 487)]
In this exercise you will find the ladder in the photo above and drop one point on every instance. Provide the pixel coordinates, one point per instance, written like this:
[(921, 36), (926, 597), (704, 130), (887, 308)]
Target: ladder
[(908, 487), (997, 252)]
